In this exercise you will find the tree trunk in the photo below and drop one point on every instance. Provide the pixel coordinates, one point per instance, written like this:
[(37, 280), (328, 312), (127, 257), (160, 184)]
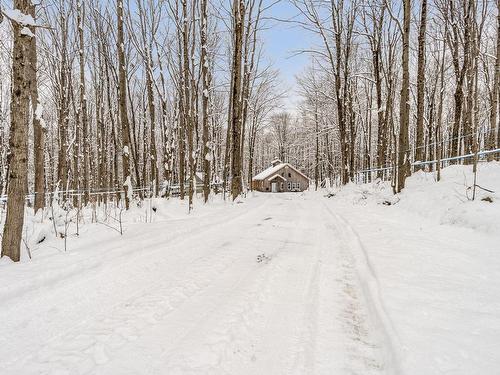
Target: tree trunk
[(63, 111), (205, 100), (469, 48), (420, 148), (236, 94), (188, 102), (403, 170), (316, 130), (493, 135), (153, 154), (38, 129), (127, 183), (83, 103), (18, 142)]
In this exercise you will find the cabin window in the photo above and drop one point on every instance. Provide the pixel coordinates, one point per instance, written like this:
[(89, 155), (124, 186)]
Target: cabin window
[(267, 189), (289, 186), (289, 174), (282, 186)]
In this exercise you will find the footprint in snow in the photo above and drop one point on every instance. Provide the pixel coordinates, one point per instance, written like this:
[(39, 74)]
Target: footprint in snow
[(263, 258)]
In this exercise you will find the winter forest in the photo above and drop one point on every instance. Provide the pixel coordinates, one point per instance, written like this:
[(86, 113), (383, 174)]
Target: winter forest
[(145, 139)]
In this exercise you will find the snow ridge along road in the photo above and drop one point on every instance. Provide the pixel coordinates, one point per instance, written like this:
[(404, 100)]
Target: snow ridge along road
[(272, 289)]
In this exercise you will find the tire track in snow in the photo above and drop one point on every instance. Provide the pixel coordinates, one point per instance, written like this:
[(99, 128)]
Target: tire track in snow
[(267, 320), (334, 337), (370, 289), (216, 311), (247, 332)]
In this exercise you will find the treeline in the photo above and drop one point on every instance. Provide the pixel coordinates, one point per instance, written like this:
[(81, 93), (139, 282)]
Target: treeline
[(106, 100), (398, 82)]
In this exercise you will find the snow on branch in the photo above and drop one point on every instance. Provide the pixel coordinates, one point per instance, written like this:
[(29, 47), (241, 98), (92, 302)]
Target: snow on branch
[(15, 15)]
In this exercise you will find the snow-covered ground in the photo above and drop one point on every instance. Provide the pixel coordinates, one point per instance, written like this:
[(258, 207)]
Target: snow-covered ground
[(273, 284), (432, 260)]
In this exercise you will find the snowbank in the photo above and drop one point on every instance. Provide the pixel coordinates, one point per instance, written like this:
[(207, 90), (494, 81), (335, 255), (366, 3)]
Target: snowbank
[(448, 201), (435, 254), (60, 229)]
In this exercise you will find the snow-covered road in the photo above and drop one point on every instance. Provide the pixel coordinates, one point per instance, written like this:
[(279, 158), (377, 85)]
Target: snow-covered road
[(191, 297), (273, 284)]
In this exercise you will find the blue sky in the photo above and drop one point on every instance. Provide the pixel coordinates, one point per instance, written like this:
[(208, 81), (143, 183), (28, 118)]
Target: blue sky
[(282, 39)]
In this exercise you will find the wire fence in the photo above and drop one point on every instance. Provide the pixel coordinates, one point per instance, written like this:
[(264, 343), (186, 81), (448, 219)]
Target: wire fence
[(165, 190), (362, 176), (385, 172), (72, 193)]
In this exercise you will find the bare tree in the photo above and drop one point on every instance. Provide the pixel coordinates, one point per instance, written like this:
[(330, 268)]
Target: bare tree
[(38, 128), (281, 125), (83, 112), (493, 139), (206, 86), (18, 142), (238, 9), (419, 148), (125, 129), (403, 170)]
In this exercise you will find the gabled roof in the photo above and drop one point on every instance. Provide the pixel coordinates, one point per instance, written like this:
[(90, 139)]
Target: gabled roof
[(268, 172), (296, 170), (277, 175), (271, 171)]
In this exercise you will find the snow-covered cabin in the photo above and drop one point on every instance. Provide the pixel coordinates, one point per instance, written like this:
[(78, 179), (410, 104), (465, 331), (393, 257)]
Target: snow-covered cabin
[(280, 177)]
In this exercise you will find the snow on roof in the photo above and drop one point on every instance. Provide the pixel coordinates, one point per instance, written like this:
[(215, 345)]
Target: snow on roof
[(296, 170), (271, 171), (277, 175), (268, 172)]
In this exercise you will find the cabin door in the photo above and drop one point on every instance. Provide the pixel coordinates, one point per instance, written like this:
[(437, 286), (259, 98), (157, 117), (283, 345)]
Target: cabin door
[(274, 187)]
